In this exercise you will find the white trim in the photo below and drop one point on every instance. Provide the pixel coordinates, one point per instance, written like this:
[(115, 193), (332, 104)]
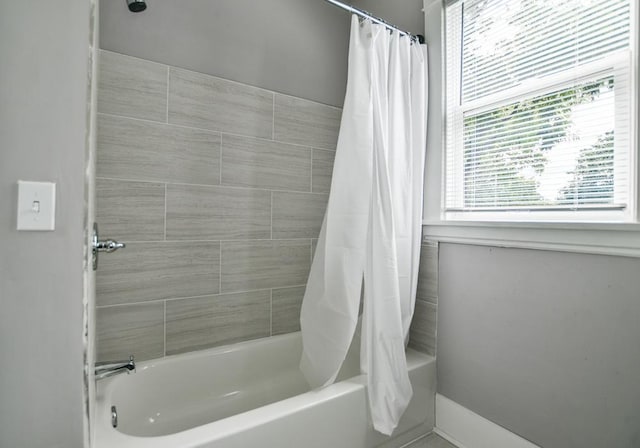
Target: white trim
[(466, 429), (611, 239)]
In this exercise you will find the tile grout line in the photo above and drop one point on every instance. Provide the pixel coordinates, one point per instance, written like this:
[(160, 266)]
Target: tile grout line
[(235, 187), (177, 299), (218, 240), (213, 131), (271, 312)]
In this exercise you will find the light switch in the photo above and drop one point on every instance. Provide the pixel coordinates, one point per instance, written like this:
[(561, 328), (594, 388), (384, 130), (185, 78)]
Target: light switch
[(36, 205)]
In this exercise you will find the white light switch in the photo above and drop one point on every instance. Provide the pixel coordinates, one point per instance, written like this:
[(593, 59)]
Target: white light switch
[(36, 205)]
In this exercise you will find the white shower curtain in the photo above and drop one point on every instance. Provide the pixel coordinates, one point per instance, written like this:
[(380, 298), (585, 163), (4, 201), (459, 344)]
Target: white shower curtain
[(372, 228)]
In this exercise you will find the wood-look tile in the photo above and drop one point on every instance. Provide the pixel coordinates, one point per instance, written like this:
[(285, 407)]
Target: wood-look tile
[(305, 122), (130, 330), (422, 334), (298, 215), (251, 265), (143, 150), (208, 102), (285, 309), (428, 273), (130, 211), (143, 271), (204, 322), (214, 213), (251, 162), (322, 170), (132, 87)]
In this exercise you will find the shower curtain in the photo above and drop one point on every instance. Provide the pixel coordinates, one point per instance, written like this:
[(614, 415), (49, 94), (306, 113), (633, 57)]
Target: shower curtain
[(369, 243)]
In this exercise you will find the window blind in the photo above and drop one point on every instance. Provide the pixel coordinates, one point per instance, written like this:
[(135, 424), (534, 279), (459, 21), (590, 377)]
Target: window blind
[(539, 113)]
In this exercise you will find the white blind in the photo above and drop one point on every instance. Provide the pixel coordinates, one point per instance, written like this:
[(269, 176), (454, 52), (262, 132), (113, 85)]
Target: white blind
[(538, 105)]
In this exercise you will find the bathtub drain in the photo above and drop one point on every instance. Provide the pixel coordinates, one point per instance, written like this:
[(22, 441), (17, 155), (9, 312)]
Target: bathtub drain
[(114, 417)]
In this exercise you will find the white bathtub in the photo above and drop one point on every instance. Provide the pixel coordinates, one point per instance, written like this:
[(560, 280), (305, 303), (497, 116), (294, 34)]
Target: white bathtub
[(251, 394)]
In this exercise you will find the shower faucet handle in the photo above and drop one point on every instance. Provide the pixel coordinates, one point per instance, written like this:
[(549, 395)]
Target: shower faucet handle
[(107, 246)]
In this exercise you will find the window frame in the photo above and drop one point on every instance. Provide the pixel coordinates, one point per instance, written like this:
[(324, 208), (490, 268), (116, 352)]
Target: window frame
[(619, 62), (622, 238)]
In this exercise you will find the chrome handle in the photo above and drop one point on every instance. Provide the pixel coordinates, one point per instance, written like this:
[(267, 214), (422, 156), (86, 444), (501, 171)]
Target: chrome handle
[(107, 246)]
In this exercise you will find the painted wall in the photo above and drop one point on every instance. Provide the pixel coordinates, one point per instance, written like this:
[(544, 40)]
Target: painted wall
[(296, 47), (404, 14), (219, 190), (542, 343), (45, 51)]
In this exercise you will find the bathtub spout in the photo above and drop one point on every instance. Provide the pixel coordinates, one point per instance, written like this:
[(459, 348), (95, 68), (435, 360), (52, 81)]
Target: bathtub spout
[(107, 369)]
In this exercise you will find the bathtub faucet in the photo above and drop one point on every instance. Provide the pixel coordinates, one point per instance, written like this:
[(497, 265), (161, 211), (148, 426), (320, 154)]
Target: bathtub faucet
[(107, 369)]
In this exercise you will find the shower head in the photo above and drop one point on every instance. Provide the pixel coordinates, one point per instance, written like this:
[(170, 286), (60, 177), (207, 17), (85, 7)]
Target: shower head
[(136, 5)]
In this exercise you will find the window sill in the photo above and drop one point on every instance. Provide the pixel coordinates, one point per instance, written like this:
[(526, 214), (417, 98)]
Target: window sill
[(605, 239)]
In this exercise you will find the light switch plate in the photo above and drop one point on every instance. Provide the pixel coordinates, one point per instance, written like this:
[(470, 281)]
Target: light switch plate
[(36, 205)]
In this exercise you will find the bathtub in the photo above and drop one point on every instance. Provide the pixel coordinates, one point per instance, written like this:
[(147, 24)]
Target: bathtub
[(251, 394)]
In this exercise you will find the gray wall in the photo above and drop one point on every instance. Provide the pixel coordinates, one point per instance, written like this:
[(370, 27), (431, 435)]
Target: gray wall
[(404, 14), (44, 49), (219, 189), (545, 344), (296, 47)]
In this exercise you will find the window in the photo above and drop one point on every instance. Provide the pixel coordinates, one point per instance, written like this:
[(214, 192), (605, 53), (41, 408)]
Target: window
[(539, 111)]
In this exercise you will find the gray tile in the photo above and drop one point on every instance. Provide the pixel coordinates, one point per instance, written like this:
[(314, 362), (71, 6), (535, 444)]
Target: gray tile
[(298, 215), (212, 213), (422, 334), (144, 271), (130, 211), (322, 170), (207, 102), (132, 87), (203, 322), (285, 309), (251, 162), (428, 273), (306, 122), (143, 150), (250, 265), (130, 330)]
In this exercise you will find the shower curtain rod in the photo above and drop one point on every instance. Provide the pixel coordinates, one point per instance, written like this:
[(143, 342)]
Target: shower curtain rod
[(417, 38)]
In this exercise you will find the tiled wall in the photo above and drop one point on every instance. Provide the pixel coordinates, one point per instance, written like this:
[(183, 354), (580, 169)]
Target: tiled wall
[(422, 336), (218, 189)]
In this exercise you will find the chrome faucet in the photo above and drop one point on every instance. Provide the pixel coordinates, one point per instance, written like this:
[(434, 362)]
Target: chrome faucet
[(109, 368)]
